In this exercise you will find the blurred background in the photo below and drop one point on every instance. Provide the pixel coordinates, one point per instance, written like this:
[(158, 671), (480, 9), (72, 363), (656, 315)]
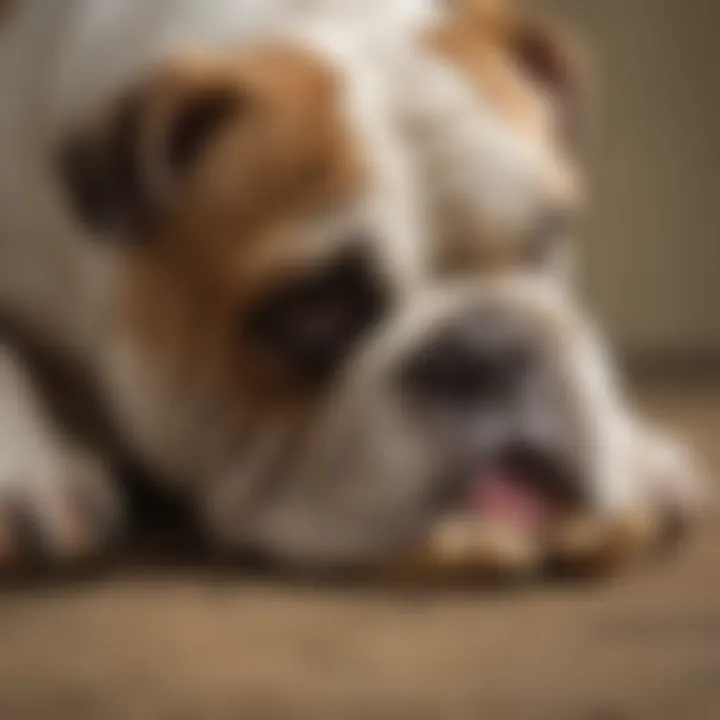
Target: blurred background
[(653, 250)]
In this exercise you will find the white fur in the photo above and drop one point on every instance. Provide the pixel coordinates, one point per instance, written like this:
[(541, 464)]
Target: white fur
[(483, 173), (64, 492)]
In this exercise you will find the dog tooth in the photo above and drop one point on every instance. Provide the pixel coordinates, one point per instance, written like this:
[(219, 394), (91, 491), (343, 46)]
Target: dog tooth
[(476, 546), (501, 550), (452, 542)]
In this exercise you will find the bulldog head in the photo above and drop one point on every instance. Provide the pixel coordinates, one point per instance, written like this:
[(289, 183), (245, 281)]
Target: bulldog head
[(282, 340)]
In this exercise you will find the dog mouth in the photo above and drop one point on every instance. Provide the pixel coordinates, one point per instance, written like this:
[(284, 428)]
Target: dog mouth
[(521, 490), (503, 518)]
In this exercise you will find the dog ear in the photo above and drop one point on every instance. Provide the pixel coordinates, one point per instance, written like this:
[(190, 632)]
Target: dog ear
[(122, 171), (545, 51), (553, 59)]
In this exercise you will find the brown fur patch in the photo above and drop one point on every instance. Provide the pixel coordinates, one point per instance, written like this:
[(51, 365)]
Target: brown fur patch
[(485, 40), (238, 225), (478, 45), (530, 66)]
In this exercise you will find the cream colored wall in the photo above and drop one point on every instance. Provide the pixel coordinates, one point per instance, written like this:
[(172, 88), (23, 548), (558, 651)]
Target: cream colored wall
[(653, 255)]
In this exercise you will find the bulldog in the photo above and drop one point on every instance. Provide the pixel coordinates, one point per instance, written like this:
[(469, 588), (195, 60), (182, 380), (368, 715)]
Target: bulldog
[(297, 253)]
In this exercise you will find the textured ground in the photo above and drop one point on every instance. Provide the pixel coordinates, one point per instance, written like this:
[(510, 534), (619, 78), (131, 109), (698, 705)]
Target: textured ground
[(185, 644)]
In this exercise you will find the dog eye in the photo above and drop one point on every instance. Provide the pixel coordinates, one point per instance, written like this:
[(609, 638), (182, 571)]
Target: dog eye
[(548, 238), (315, 320)]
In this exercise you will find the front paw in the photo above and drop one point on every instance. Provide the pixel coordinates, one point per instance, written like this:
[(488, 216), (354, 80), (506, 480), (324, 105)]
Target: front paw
[(669, 500), (58, 510)]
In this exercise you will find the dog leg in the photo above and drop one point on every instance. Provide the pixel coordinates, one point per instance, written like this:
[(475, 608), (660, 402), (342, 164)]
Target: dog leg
[(58, 502)]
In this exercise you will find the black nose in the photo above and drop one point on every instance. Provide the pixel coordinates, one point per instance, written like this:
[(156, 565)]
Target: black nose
[(481, 357)]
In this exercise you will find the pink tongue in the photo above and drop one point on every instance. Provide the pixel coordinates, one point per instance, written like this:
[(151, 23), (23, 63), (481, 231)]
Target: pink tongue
[(509, 499)]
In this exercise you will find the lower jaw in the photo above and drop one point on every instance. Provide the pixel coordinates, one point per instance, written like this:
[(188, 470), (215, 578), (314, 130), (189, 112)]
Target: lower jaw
[(584, 545)]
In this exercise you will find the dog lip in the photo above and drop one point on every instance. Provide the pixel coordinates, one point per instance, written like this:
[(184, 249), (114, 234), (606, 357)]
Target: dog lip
[(551, 471), (520, 479)]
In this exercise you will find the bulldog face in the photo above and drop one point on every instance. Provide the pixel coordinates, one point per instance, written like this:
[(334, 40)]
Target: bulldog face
[(285, 344), (477, 429), (490, 404)]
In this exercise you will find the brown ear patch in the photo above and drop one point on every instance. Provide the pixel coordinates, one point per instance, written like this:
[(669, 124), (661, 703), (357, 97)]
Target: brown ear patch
[(552, 58), (517, 58), (120, 170), (243, 226), (195, 123)]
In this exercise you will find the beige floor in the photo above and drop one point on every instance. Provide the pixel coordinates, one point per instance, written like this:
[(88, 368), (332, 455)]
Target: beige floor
[(184, 646)]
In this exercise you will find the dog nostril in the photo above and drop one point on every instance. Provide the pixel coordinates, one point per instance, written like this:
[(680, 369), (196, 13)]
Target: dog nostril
[(481, 358)]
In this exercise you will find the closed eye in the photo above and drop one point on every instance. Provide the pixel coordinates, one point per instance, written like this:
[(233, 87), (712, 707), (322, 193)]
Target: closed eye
[(314, 320)]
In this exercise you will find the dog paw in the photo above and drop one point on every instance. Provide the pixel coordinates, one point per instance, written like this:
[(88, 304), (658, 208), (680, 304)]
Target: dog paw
[(669, 499), (59, 511), (675, 482)]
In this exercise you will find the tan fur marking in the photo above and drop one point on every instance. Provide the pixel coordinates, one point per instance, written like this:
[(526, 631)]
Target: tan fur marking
[(479, 40), (480, 49), (237, 227)]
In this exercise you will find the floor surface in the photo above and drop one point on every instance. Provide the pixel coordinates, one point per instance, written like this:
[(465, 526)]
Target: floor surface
[(180, 645)]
